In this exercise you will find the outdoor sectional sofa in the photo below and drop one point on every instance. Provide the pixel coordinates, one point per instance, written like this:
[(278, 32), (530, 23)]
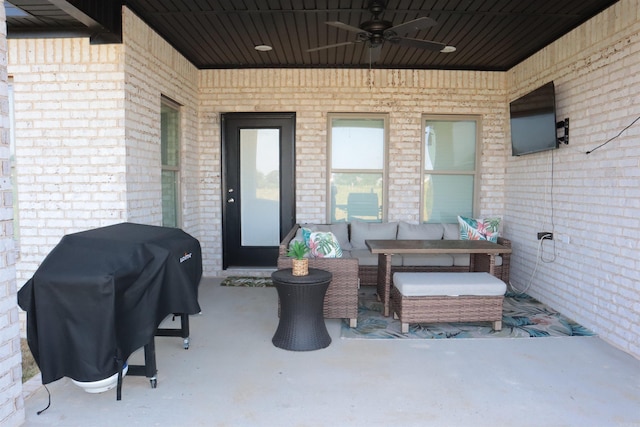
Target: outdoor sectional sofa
[(359, 267)]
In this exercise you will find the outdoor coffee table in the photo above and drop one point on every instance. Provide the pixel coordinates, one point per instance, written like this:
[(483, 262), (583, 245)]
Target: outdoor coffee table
[(386, 248), (301, 326)]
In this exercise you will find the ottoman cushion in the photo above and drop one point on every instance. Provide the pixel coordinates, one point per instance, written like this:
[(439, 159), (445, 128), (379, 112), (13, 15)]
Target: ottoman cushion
[(448, 284)]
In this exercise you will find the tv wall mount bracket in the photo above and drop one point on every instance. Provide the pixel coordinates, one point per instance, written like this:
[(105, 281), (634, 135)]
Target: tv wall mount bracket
[(565, 126)]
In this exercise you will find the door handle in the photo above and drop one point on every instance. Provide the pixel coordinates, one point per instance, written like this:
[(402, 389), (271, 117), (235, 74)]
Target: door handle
[(231, 200)]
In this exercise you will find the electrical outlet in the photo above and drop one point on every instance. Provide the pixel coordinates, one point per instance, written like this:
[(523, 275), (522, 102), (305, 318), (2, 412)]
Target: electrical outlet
[(545, 235)]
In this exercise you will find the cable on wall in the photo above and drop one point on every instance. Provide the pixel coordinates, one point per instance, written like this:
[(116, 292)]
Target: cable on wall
[(535, 269), (611, 139), (540, 251), (553, 224)]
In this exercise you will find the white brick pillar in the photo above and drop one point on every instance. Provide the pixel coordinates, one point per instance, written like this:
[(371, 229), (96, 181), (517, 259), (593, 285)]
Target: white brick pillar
[(11, 403)]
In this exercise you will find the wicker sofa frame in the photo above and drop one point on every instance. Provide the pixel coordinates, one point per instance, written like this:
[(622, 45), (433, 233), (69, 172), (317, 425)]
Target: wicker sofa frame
[(341, 299)]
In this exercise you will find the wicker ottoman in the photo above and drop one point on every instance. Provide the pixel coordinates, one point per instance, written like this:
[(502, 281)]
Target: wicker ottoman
[(447, 297)]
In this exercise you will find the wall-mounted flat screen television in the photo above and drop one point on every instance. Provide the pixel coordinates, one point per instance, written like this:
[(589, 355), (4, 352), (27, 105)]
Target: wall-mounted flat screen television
[(533, 121)]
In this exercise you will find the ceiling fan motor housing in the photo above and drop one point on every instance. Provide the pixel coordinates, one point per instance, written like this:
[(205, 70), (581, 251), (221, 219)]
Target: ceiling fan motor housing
[(375, 32), (376, 26)]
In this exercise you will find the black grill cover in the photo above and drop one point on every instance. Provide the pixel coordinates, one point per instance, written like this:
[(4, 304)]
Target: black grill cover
[(103, 292)]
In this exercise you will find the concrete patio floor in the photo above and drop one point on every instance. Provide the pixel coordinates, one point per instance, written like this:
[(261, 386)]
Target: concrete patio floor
[(232, 375)]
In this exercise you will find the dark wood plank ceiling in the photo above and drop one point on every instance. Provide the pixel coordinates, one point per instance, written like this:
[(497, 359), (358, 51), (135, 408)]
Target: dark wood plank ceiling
[(491, 35)]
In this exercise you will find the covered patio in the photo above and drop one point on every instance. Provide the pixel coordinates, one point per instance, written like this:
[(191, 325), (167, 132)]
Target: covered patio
[(88, 125), (232, 375)]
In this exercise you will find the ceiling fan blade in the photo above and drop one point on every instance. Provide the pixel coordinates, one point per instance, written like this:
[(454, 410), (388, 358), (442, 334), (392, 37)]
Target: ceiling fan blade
[(415, 25), (344, 26), (420, 44), (329, 46)]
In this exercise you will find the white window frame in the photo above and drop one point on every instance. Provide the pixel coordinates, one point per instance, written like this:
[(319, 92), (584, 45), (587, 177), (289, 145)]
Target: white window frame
[(175, 169), (475, 173), (385, 160)]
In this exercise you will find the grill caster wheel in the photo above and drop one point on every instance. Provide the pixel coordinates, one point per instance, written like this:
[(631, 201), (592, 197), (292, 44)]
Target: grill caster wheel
[(185, 343), (154, 382)]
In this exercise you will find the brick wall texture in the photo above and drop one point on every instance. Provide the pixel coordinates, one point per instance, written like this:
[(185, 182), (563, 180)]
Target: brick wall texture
[(11, 401), (590, 201), (403, 95), (87, 131), (71, 156)]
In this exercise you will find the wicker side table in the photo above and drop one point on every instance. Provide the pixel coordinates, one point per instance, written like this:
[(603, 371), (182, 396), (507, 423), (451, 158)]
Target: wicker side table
[(301, 326)]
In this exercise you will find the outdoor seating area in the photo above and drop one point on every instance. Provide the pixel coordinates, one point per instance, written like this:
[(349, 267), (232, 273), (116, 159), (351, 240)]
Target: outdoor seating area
[(352, 237), (359, 265)]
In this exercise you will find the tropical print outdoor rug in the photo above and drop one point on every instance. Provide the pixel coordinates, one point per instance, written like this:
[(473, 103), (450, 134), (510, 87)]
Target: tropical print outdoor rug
[(247, 281), (522, 317)]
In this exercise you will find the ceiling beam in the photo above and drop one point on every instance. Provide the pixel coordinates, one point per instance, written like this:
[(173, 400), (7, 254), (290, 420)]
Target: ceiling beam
[(77, 14)]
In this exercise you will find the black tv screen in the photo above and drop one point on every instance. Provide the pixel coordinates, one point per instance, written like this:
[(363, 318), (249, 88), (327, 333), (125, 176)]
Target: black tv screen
[(533, 121)]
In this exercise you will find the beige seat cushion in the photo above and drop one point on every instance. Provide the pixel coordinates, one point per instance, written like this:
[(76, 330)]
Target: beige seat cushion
[(365, 257), (463, 260), (448, 284), (427, 260)]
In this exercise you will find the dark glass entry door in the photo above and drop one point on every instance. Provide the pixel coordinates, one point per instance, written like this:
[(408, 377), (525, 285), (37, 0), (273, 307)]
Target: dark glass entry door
[(258, 186)]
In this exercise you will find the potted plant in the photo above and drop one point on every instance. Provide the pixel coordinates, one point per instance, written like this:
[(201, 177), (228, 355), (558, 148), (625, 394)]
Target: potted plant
[(297, 250)]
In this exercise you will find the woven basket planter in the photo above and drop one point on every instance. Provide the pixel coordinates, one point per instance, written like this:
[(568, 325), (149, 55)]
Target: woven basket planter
[(300, 267)]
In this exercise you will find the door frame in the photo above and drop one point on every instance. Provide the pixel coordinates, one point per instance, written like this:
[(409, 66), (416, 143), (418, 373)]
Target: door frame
[(287, 125)]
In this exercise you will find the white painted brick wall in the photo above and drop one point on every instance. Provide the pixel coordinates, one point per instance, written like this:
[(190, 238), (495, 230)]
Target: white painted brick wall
[(153, 69), (11, 401), (593, 200), (404, 95), (70, 137), (88, 145)]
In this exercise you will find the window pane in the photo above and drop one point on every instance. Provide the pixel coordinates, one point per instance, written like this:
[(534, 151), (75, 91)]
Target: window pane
[(446, 197), (169, 150), (357, 144), (260, 187), (169, 199), (169, 122), (450, 145), (356, 196)]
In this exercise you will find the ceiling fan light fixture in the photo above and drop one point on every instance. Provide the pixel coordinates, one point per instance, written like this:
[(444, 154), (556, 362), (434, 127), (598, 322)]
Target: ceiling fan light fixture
[(448, 49), (263, 48)]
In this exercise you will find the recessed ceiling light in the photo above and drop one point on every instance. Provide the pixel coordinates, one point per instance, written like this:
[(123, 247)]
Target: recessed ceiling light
[(448, 49), (263, 48)]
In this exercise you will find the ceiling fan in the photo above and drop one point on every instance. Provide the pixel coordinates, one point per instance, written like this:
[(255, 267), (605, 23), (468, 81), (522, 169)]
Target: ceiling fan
[(376, 32)]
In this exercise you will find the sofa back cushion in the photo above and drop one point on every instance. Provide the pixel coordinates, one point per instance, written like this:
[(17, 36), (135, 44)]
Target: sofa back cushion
[(451, 231), (408, 231), (361, 231)]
